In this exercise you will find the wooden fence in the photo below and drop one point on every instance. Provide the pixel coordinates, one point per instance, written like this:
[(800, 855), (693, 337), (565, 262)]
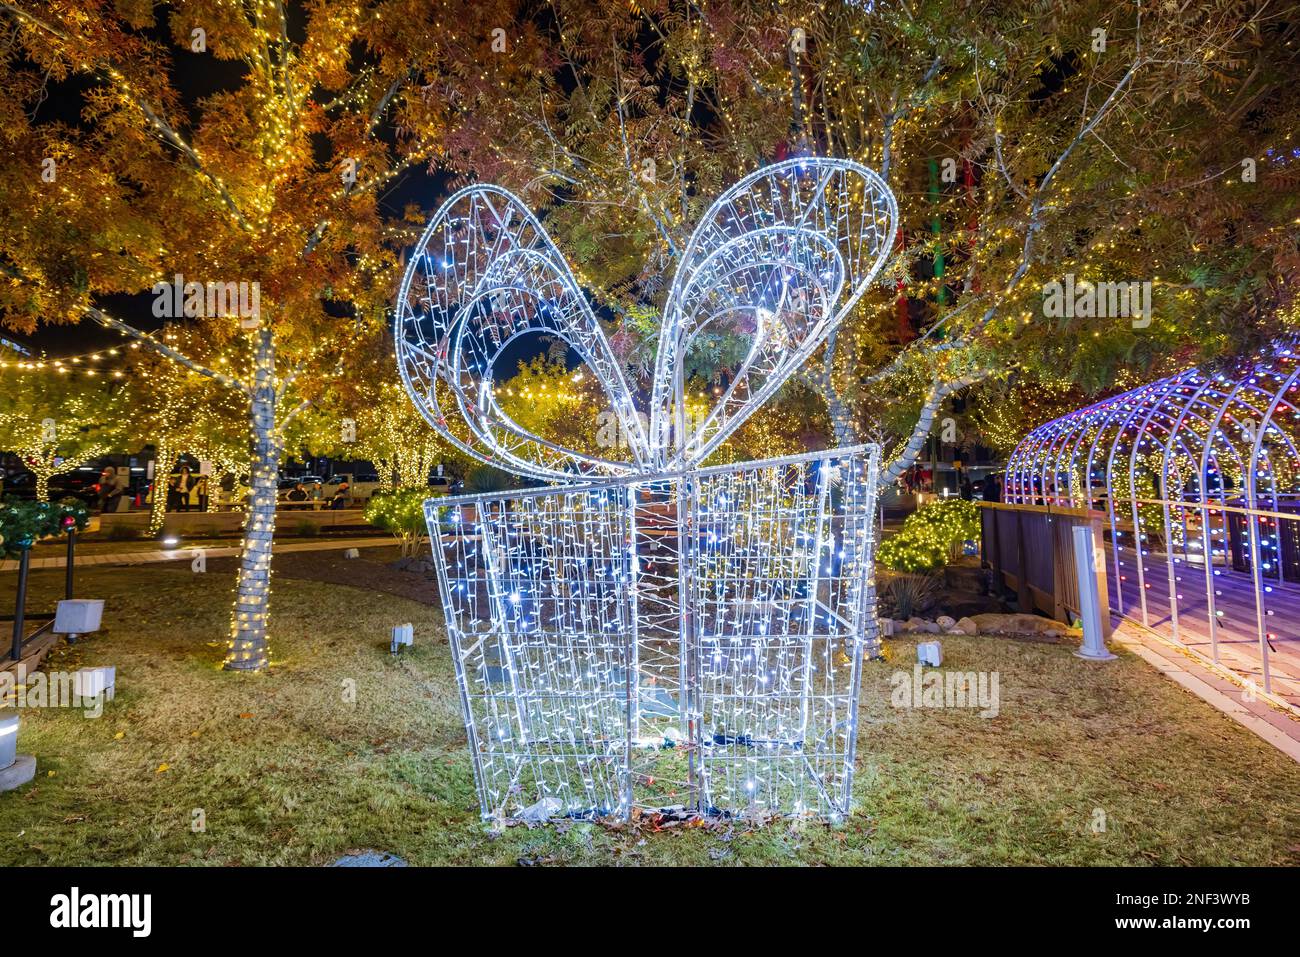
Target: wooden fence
[(1030, 549)]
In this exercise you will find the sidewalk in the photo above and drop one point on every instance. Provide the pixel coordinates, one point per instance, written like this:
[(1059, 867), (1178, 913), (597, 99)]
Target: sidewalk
[(1275, 723), (187, 554)]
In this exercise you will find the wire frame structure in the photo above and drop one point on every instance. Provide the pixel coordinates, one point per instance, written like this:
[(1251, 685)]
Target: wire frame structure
[(690, 641), (652, 632), (1199, 479)]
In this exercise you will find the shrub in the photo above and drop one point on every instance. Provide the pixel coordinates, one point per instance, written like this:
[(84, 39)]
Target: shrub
[(402, 513), (486, 479), (306, 528), (24, 522), (909, 595), (930, 535), (122, 533)]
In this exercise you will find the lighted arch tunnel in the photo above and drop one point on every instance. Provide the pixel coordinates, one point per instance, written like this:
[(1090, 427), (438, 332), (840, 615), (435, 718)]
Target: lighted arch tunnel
[(1198, 478)]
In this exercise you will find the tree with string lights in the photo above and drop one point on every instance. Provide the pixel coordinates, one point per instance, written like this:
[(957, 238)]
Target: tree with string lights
[(1024, 142), (57, 424), (252, 213), (179, 411)]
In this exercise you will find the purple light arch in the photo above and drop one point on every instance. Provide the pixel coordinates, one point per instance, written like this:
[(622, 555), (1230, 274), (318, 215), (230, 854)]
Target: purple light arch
[(1198, 478)]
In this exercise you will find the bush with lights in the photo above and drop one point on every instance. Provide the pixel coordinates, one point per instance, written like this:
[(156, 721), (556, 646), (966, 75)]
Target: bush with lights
[(402, 513), (24, 522), (930, 535)]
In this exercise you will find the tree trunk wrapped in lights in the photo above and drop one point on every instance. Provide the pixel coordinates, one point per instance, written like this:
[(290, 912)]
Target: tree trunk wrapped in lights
[(248, 645), (261, 199), (164, 458)]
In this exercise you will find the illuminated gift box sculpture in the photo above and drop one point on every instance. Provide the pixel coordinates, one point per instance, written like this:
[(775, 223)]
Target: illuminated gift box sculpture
[(653, 633)]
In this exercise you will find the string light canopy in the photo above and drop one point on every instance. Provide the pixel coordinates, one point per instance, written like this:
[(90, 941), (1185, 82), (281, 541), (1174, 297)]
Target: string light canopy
[(86, 363), (654, 633), (1199, 477)]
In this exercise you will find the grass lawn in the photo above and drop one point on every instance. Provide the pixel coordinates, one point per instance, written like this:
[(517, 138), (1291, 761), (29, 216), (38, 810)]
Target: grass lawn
[(285, 771)]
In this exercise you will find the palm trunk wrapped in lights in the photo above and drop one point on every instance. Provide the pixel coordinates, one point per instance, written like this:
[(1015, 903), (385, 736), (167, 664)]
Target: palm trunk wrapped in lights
[(248, 650)]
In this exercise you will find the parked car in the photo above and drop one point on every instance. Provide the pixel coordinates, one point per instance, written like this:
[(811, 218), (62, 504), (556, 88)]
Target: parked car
[(19, 485), (442, 485), (80, 485), (361, 486)]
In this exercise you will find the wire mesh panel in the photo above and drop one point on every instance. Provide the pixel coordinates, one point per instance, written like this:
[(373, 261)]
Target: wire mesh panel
[(694, 641), (537, 591), (778, 576), (661, 634)]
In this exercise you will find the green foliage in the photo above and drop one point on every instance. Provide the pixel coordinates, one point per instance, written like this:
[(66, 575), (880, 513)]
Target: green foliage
[(402, 513), (908, 595), (24, 522), (929, 535), (486, 479)]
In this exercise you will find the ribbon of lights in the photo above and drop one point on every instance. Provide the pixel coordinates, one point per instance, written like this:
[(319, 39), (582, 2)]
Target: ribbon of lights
[(1198, 476), (652, 632)]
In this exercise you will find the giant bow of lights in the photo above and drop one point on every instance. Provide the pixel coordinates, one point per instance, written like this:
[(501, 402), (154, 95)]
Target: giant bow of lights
[(778, 260), (651, 632)]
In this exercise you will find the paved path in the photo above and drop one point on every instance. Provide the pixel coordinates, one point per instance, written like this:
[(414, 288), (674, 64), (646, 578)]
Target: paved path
[(187, 554), (1220, 687), (1232, 639)]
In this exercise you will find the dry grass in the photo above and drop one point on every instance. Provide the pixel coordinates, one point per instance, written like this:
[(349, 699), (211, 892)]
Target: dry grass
[(287, 772)]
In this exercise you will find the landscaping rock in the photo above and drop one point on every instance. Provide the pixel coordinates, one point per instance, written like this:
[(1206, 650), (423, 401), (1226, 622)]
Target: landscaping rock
[(1020, 624), (968, 578), (921, 625), (968, 626), (351, 553), (944, 622), (369, 859), (965, 605)]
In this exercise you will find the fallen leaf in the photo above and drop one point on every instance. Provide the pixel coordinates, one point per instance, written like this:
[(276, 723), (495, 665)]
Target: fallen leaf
[(163, 767), (50, 774), (247, 714), (119, 736)]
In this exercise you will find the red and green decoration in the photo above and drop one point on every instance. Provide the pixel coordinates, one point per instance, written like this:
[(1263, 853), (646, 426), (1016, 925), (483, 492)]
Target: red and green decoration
[(24, 522)]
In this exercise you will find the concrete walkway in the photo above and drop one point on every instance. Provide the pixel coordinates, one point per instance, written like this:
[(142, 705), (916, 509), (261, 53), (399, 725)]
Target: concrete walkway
[(187, 554), (1273, 720)]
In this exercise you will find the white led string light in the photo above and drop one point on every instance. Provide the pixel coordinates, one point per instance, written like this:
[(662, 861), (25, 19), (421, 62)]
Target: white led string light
[(655, 633)]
